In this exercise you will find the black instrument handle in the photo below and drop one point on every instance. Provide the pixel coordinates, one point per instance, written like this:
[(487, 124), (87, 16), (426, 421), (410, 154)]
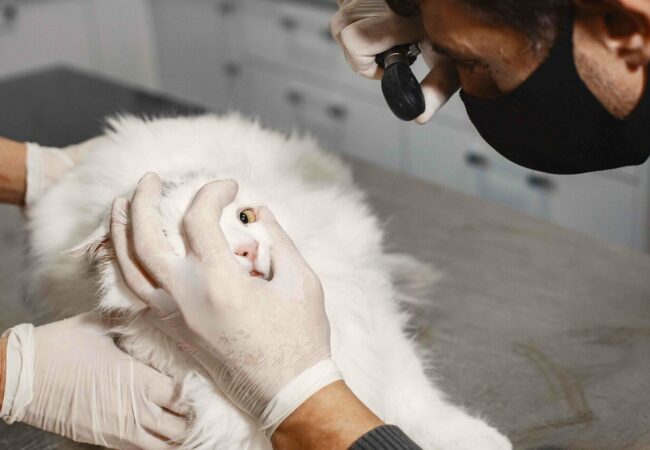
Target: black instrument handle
[(401, 89)]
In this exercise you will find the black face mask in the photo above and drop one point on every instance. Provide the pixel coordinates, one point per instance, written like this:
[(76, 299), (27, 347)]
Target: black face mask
[(553, 123)]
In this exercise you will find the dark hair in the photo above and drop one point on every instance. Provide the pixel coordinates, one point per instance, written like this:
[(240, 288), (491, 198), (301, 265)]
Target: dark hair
[(540, 20)]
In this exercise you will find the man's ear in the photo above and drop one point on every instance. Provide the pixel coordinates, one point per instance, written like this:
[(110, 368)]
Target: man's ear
[(623, 26)]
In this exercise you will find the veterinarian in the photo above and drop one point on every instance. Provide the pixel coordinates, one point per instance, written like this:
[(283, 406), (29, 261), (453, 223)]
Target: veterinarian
[(557, 86)]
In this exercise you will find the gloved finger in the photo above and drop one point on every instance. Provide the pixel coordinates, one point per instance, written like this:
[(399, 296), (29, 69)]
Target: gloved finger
[(173, 325), (151, 247), (167, 394), (356, 49), (201, 224), (438, 85), (369, 37), (343, 18), (284, 254), (377, 70), (169, 427), (162, 424), (353, 12), (132, 272), (337, 23), (149, 441)]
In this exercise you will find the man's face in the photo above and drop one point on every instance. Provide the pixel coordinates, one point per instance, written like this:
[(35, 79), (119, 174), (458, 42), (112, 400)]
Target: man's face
[(492, 59)]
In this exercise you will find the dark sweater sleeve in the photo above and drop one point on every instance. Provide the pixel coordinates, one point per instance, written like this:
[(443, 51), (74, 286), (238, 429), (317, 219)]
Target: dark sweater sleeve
[(385, 437)]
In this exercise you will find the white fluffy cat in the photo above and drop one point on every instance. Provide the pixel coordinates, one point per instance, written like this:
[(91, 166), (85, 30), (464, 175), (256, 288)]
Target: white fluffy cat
[(312, 195)]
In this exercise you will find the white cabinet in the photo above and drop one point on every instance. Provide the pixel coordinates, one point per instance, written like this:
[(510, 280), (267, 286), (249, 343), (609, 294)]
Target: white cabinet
[(109, 37), (196, 49), (296, 37), (441, 154), (123, 40), (598, 205), (276, 101), (35, 34), (352, 127), (462, 161), (608, 205)]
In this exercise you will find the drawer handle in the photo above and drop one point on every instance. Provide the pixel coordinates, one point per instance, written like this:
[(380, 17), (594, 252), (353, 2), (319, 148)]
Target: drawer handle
[(288, 23), (295, 98), (337, 112), (232, 69), (226, 8), (476, 160), (9, 14), (539, 182)]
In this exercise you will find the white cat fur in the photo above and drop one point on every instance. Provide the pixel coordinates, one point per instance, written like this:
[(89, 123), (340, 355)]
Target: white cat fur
[(312, 194)]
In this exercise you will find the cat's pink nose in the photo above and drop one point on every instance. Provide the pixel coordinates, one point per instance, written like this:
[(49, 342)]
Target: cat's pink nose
[(247, 250)]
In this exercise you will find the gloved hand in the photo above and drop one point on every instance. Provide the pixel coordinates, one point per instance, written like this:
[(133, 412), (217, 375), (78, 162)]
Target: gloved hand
[(69, 378), (266, 344), (45, 165), (365, 28)]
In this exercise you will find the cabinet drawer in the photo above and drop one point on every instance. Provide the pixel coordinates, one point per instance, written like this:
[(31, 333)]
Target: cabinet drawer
[(339, 123), (296, 36), (37, 34), (374, 134), (268, 98), (289, 33), (600, 206), (463, 162), (195, 51)]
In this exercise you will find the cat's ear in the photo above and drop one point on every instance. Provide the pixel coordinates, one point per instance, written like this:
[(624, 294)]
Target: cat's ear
[(95, 247)]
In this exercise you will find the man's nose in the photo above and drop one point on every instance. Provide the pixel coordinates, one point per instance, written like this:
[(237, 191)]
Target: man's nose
[(247, 250)]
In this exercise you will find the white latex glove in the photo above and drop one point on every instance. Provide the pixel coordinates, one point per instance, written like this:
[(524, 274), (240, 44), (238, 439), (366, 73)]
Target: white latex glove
[(69, 378), (266, 344), (45, 165), (365, 28)]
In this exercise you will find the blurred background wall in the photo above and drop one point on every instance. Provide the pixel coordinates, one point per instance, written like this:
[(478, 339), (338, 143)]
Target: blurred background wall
[(275, 59)]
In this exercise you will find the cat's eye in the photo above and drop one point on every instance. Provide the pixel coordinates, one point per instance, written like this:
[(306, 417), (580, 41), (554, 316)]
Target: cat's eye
[(247, 216)]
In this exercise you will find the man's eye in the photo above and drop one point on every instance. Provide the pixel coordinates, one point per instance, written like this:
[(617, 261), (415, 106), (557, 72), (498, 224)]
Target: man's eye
[(472, 66), (467, 64), (247, 216)]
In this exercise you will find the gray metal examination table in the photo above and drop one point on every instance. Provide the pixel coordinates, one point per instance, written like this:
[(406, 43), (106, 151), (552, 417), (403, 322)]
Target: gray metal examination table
[(544, 331)]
